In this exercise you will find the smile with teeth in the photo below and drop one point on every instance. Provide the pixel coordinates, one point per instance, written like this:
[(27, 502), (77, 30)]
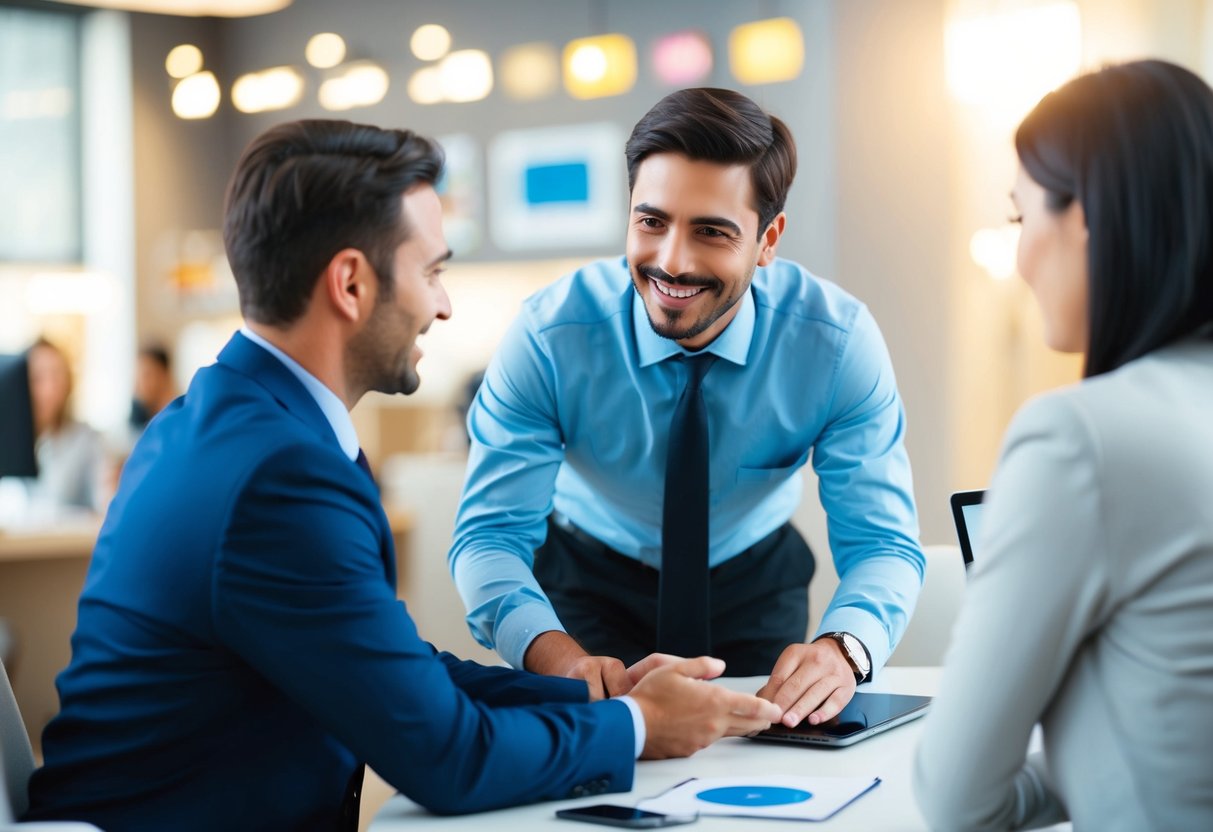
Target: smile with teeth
[(676, 292)]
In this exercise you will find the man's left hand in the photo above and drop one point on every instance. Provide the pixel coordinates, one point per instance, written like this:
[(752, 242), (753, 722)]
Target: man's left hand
[(813, 680)]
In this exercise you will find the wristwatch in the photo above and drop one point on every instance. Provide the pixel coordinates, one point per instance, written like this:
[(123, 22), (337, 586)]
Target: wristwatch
[(856, 654)]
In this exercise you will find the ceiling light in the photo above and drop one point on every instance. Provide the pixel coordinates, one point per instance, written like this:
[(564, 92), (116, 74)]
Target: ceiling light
[(766, 51), (466, 75), (529, 71), (196, 96), (183, 60), (599, 66), (425, 87), (430, 42), (360, 85), (325, 50), (270, 89), (190, 8)]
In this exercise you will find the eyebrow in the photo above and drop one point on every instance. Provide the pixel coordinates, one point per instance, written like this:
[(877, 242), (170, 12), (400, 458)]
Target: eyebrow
[(720, 222)]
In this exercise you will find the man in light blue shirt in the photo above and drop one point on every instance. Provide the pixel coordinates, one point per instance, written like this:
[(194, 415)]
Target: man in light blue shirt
[(579, 458)]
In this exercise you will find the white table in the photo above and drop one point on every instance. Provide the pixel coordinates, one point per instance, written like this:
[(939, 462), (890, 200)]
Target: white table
[(889, 756)]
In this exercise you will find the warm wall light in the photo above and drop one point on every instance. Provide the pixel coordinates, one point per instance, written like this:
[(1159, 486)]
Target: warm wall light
[(599, 66), (994, 250), (466, 75), (766, 51), (430, 42), (360, 85), (425, 87), (270, 89), (529, 71), (183, 60), (1002, 60), (682, 58), (325, 50), (196, 96)]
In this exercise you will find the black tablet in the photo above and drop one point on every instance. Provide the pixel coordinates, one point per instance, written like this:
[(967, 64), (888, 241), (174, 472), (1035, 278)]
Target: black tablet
[(866, 714), (966, 514)]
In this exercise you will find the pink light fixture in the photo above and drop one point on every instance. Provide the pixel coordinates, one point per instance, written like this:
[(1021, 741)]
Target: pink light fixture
[(682, 58)]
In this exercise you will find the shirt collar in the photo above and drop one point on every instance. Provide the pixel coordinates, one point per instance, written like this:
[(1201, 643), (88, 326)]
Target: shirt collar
[(732, 345), (330, 405)]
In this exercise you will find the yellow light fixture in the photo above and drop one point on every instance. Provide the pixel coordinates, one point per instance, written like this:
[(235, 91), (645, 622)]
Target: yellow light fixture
[(183, 60), (766, 51), (529, 71), (196, 96), (466, 75), (270, 89), (430, 42), (1003, 60), (325, 50), (425, 87), (362, 84), (599, 66)]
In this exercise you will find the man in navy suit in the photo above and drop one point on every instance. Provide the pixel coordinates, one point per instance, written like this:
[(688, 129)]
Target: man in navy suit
[(240, 652)]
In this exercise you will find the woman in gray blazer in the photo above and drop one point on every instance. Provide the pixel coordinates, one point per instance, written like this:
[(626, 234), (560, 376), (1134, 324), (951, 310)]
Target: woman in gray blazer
[(1090, 606)]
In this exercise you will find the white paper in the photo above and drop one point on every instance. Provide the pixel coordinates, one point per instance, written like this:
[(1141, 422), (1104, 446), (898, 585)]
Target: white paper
[(779, 796)]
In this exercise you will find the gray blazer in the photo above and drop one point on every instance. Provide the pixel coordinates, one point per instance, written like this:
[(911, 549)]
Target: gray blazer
[(1089, 609)]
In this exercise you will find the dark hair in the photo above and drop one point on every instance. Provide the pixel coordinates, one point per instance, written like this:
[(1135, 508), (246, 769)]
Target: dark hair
[(723, 126), (1133, 144), (156, 353), (303, 191)]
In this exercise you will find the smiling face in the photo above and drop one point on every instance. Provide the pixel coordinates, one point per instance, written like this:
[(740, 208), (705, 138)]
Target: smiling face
[(693, 244), (385, 353), (1052, 259)]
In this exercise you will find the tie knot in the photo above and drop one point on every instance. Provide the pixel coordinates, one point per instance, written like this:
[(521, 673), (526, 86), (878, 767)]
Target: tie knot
[(697, 368)]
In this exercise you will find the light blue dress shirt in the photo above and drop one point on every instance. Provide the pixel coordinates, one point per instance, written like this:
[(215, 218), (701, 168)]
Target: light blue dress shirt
[(343, 426), (573, 416)]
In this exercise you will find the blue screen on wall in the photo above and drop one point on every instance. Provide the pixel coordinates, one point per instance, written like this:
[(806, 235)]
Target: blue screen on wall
[(565, 182)]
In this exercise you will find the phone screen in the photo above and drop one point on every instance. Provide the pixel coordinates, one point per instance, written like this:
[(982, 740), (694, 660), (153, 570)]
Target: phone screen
[(622, 816)]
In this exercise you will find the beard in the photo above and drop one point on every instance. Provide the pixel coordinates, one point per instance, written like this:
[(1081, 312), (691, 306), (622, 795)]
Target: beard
[(376, 359), (678, 324)]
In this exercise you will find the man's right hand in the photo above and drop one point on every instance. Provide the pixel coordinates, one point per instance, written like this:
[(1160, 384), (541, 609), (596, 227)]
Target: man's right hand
[(683, 713), (556, 654)]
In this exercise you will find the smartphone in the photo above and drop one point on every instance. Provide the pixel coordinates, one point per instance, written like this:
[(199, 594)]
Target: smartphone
[(626, 816)]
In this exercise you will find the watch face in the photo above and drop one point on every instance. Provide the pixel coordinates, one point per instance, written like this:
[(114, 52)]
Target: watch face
[(856, 652)]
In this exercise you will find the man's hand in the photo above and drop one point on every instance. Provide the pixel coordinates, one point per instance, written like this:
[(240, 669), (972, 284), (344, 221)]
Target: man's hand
[(683, 714), (649, 663), (556, 654), (813, 680)]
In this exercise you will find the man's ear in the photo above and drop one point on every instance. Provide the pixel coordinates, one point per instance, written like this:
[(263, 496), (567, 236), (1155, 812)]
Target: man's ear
[(770, 239), (349, 285)]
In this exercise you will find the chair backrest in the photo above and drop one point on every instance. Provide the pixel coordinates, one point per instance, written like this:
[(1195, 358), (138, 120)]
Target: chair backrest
[(930, 629), (16, 756)]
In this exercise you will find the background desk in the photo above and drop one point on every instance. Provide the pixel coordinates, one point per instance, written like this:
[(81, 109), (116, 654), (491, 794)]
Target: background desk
[(888, 756)]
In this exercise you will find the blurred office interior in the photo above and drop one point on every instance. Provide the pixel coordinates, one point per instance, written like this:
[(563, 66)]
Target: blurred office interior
[(119, 127)]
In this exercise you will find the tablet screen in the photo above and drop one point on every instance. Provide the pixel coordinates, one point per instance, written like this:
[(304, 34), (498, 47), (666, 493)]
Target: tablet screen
[(865, 714)]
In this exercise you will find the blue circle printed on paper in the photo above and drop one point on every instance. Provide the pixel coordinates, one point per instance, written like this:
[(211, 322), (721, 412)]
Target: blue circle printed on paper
[(754, 795)]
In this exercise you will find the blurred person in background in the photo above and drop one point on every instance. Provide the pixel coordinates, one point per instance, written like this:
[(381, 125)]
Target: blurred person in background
[(73, 470), (154, 386)]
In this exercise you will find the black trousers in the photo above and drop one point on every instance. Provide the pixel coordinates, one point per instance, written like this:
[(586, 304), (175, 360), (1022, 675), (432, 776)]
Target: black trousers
[(608, 601)]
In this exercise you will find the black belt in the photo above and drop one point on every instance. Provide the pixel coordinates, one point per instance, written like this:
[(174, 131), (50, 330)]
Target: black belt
[(592, 544)]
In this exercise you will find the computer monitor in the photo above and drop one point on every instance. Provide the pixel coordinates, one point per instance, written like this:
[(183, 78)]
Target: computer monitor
[(16, 418)]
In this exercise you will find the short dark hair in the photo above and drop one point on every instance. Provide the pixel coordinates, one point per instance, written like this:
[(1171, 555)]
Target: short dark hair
[(303, 191), (722, 126), (1133, 143), (156, 353)]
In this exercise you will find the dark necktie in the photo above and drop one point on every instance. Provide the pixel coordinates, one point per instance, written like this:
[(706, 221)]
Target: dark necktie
[(683, 619)]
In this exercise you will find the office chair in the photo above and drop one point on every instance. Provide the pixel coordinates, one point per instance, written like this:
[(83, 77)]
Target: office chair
[(16, 766)]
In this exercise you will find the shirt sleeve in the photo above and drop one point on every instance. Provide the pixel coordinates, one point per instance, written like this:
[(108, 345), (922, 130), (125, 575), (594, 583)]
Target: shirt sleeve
[(1035, 594), (516, 451), (866, 490)]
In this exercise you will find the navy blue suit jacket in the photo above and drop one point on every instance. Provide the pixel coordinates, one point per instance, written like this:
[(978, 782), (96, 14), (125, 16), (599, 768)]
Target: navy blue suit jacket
[(240, 649)]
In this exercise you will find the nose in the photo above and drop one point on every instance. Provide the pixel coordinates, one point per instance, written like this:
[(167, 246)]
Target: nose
[(675, 257), (444, 304)]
